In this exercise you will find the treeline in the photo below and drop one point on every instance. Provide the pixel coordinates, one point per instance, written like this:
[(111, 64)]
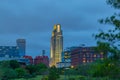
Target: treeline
[(12, 70)]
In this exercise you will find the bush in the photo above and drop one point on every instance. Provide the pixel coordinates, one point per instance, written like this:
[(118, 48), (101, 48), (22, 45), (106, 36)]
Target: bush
[(53, 73), (45, 78), (21, 72), (9, 74), (71, 79), (81, 77)]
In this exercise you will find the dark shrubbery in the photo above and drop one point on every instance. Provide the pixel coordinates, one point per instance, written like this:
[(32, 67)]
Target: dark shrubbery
[(53, 73), (12, 69)]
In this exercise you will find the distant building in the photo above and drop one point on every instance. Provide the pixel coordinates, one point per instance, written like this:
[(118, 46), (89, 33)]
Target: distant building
[(30, 58), (56, 45), (21, 43), (42, 59), (13, 51), (81, 55), (9, 51), (63, 65)]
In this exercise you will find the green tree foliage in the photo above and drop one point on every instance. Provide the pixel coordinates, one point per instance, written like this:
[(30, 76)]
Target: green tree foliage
[(83, 69), (31, 69), (114, 3), (105, 68), (14, 64), (41, 68), (9, 73), (6, 72), (5, 64), (53, 73), (110, 40), (21, 72)]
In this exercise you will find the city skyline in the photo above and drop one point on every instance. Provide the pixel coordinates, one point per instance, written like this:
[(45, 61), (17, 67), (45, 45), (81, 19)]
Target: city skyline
[(33, 20)]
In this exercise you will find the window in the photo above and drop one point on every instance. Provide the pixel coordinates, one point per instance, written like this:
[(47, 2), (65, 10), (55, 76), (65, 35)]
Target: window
[(95, 55), (84, 61)]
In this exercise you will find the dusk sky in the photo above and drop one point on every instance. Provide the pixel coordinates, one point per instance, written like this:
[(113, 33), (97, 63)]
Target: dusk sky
[(33, 20)]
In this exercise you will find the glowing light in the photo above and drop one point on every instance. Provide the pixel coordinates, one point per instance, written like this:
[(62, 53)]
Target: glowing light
[(58, 28), (55, 27), (94, 55)]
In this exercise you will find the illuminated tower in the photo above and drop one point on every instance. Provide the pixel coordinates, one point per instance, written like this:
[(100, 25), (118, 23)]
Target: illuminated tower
[(56, 45), (21, 43)]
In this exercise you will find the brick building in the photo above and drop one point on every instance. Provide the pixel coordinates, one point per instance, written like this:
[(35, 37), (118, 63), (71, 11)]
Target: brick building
[(41, 59), (80, 55), (30, 59)]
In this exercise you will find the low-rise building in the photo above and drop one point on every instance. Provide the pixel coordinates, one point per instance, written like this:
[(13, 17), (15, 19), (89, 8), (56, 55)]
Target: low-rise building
[(30, 58), (81, 55), (42, 59)]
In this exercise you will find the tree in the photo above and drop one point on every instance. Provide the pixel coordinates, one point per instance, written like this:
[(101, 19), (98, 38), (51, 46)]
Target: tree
[(31, 69), (14, 64), (21, 72), (41, 68), (9, 73), (53, 73), (110, 40), (5, 64)]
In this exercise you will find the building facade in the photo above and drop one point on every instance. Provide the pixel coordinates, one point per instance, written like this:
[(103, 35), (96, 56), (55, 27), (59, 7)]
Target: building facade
[(30, 58), (21, 43), (9, 51), (13, 51), (81, 55), (56, 45), (41, 59)]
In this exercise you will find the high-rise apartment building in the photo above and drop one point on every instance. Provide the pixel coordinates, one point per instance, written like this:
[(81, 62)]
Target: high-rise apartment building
[(56, 45), (21, 43)]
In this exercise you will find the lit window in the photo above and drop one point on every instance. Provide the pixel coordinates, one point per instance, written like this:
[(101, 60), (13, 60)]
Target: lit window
[(94, 55), (84, 61), (65, 53)]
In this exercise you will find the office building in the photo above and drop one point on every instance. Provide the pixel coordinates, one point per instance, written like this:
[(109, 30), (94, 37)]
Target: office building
[(21, 43), (56, 45)]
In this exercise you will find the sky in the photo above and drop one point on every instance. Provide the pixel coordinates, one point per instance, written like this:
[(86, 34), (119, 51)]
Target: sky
[(33, 20)]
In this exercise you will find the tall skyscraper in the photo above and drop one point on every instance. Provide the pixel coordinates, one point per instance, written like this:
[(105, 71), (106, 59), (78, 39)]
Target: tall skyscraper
[(56, 45), (21, 43)]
